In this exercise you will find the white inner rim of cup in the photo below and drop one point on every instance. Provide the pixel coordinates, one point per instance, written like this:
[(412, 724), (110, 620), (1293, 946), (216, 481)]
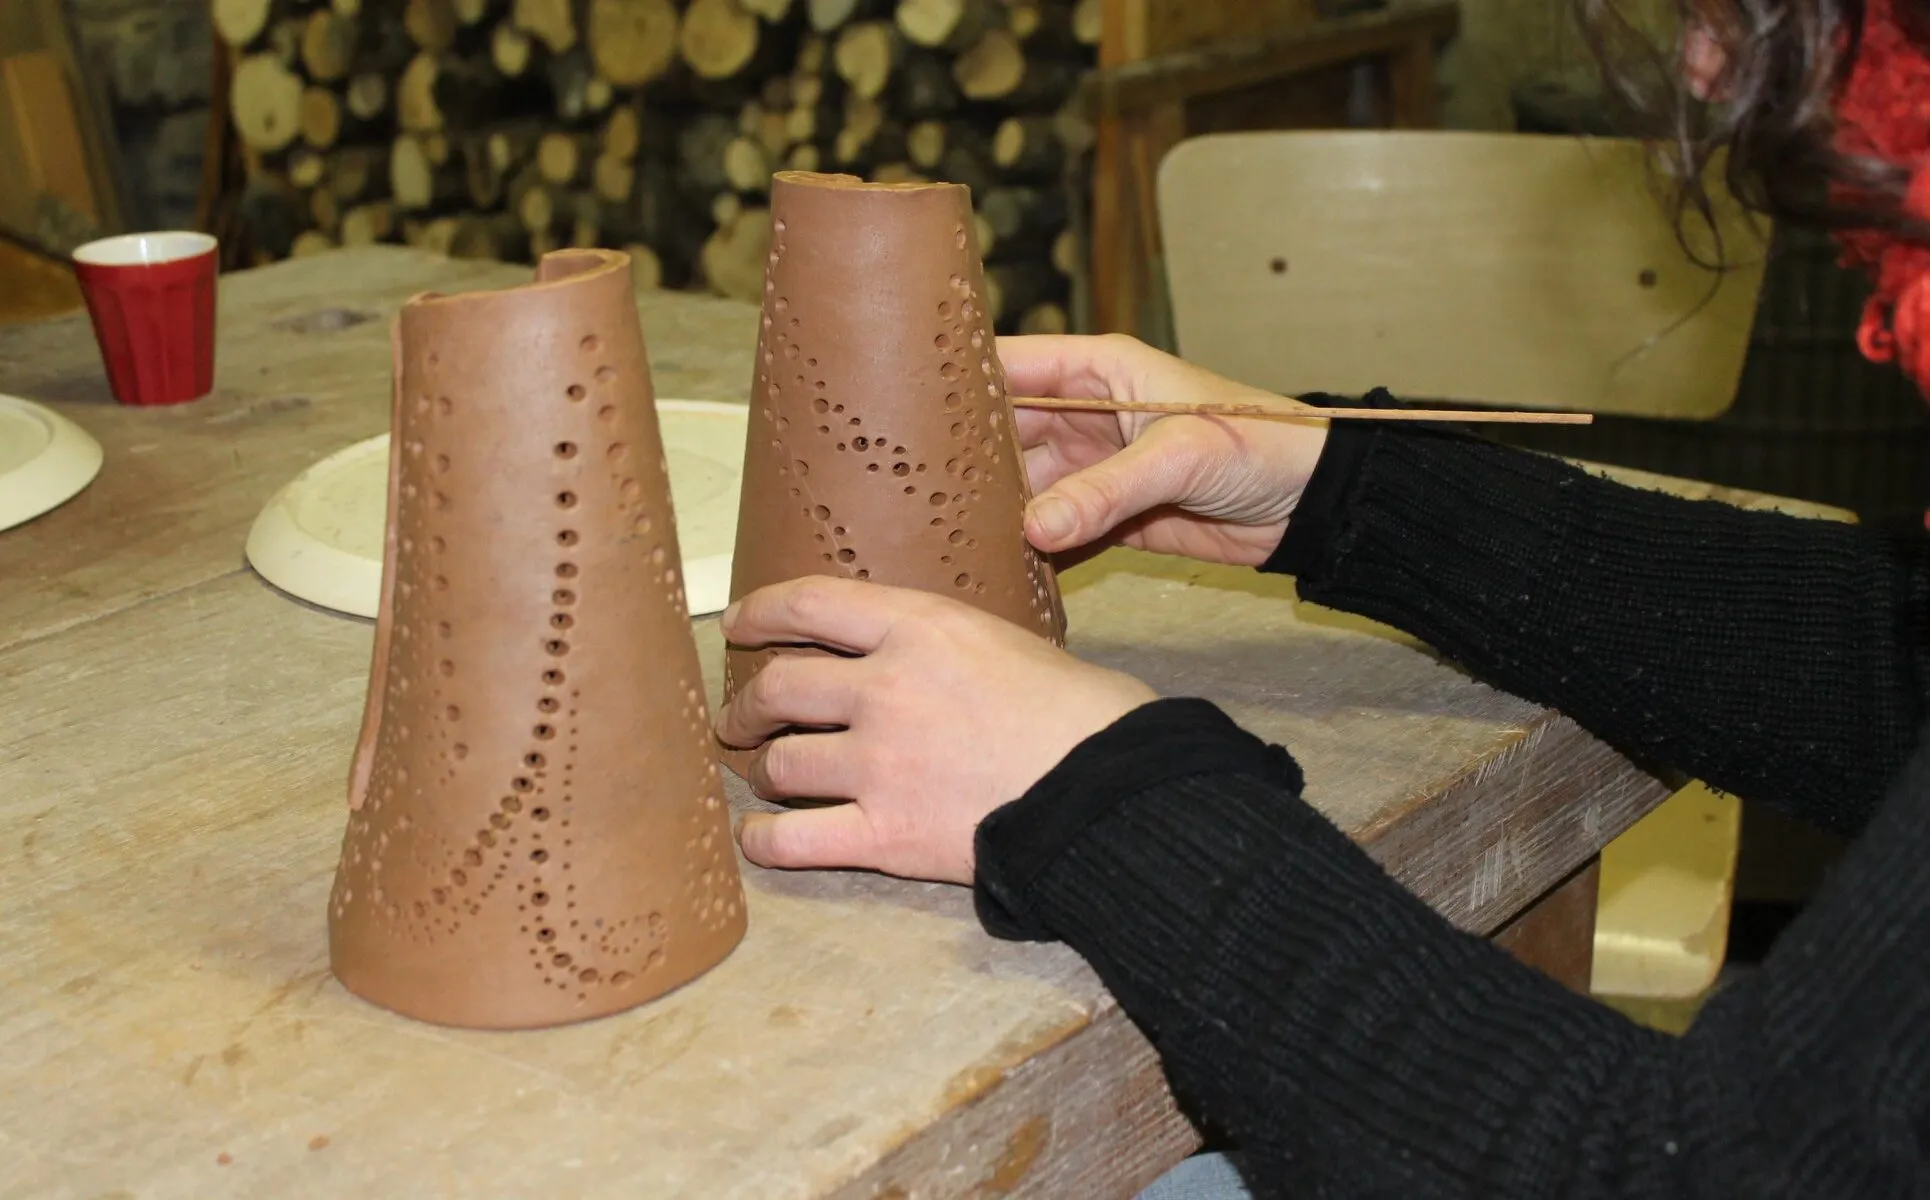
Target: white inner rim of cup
[(143, 249)]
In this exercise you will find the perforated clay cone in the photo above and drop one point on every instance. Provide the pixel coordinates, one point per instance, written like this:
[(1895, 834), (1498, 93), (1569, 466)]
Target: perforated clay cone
[(881, 443), (537, 834)]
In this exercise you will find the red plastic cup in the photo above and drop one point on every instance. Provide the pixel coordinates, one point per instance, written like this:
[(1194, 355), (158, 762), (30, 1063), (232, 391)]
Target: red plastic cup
[(151, 296)]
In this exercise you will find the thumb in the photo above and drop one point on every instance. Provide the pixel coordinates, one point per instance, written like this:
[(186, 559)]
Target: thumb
[(1086, 505), (836, 836)]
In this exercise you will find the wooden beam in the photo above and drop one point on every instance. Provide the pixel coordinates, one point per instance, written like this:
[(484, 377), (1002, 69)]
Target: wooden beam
[(1226, 66)]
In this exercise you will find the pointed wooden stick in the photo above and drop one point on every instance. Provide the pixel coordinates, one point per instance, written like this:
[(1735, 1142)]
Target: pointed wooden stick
[(1289, 409)]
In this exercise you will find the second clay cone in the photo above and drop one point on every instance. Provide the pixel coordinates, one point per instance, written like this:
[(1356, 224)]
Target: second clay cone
[(537, 832), (881, 444)]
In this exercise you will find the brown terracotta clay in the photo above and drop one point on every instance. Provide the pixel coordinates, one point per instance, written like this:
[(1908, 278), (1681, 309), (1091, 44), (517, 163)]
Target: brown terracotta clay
[(537, 834), (881, 443)]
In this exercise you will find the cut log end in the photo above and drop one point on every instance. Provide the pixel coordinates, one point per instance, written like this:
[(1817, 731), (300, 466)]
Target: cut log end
[(266, 102)]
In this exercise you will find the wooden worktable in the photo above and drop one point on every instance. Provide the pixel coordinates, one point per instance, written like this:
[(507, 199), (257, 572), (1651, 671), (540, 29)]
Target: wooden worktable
[(174, 747)]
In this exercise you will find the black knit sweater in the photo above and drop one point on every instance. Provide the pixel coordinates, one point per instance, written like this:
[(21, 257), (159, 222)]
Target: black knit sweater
[(1347, 1038)]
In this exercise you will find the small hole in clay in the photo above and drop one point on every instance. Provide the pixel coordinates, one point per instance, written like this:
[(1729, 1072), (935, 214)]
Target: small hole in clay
[(618, 452), (910, 491), (864, 574), (459, 751), (566, 570), (949, 372), (566, 499), (576, 391), (821, 405), (621, 978), (561, 621), (444, 405), (566, 449), (511, 804), (937, 498), (958, 535), (872, 467), (545, 935), (821, 513), (539, 899), (534, 761), (588, 975), (539, 813), (547, 704), (607, 414), (846, 556), (566, 538), (937, 522), (544, 733), (942, 341), (562, 597), (446, 667), (453, 713), (963, 580), (859, 443), (553, 677), (944, 310), (841, 447), (556, 647), (442, 462), (958, 239)]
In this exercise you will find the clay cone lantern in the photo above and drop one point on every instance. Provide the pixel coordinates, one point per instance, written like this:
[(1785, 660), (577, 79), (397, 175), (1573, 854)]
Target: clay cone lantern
[(537, 834), (881, 442)]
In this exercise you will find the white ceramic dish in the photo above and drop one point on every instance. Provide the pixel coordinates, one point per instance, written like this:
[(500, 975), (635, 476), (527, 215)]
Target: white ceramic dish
[(45, 460), (320, 537)]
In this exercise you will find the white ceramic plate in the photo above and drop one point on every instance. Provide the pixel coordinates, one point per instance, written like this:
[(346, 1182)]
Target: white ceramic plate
[(45, 460), (320, 538)]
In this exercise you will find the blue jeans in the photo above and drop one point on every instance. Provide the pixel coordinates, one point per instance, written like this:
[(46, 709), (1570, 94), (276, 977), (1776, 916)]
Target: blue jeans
[(1201, 1177)]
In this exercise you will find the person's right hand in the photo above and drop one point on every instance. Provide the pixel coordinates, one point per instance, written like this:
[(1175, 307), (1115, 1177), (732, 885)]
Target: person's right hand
[(1218, 489)]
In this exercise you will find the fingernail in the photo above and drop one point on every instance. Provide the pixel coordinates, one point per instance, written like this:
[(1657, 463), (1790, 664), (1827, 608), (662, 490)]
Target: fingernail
[(1055, 518), (750, 835), (730, 614)]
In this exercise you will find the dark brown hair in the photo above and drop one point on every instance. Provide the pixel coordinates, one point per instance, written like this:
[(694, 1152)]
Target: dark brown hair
[(1783, 64)]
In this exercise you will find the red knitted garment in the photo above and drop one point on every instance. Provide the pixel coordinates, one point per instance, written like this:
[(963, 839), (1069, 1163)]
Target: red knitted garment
[(1884, 112)]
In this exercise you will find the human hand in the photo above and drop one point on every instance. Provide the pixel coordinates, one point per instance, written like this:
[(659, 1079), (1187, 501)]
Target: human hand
[(1213, 488), (949, 713)]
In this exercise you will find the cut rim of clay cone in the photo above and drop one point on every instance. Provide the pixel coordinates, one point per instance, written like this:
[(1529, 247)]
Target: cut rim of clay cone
[(882, 445), (536, 835)]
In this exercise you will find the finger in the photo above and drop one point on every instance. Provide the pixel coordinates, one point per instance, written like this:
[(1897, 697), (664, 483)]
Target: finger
[(1064, 365), (1087, 505), (794, 689), (838, 836), (842, 613), (806, 766)]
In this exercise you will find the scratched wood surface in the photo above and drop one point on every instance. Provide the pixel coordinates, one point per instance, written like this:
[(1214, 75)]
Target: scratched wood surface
[(174, 742)]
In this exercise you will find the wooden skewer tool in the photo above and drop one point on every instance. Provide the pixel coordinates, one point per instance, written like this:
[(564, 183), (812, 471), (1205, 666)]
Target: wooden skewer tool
[(1289, 410)]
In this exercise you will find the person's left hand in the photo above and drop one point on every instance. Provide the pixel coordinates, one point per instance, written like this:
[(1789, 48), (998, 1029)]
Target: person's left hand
[(947, 713)]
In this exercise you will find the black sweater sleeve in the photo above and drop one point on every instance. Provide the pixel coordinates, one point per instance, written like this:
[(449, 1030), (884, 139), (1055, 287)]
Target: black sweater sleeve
[(1773, 657), (1354, 1044)]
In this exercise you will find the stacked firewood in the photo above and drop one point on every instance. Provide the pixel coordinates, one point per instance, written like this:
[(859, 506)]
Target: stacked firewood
[(508, 128)]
